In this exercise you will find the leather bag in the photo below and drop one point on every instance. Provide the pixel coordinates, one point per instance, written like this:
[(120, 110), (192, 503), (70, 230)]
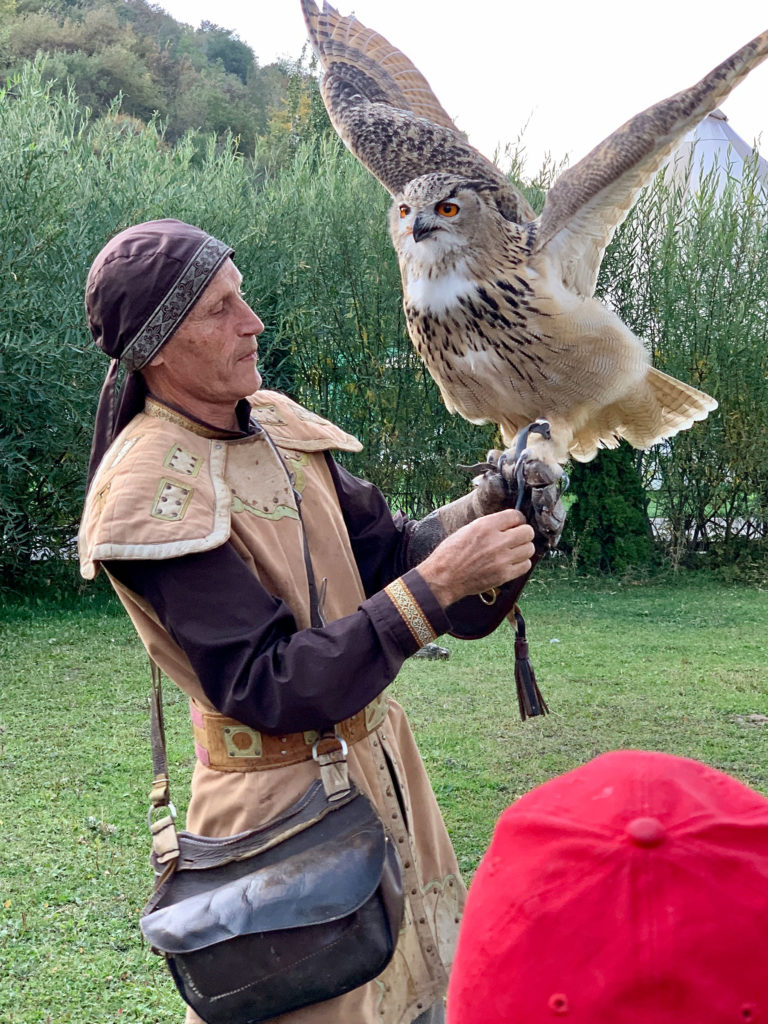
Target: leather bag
[(300, 910)]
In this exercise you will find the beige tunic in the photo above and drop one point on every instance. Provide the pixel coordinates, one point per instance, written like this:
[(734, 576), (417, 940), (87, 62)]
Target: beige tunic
[(167, 488)]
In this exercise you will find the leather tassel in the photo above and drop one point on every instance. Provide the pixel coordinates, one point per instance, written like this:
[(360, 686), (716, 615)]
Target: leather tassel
[(529, 696)]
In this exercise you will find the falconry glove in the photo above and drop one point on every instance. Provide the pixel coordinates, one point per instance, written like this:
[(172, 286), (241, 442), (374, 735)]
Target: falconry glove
[(535, 488), (495, 489)]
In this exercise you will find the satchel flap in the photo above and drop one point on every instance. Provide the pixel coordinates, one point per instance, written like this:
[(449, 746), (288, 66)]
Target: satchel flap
[(322, 883)]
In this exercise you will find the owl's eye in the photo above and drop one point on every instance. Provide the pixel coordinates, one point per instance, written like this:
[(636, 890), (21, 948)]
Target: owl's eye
[(404, 211), (447, 209)]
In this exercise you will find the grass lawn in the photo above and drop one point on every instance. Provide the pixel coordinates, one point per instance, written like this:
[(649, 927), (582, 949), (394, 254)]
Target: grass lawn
[(675, 666)]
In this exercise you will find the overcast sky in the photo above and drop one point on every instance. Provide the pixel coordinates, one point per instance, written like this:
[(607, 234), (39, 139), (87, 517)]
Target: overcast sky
[(572, 72)]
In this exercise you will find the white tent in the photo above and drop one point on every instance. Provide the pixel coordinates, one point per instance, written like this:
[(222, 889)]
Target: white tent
[(713, 144)]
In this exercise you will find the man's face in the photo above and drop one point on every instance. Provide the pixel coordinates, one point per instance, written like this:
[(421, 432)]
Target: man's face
[(211, 359)]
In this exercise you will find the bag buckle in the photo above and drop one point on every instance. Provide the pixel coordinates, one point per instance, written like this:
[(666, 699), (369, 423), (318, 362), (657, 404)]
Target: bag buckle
[(169, 807), (165, 839), (330, 752)]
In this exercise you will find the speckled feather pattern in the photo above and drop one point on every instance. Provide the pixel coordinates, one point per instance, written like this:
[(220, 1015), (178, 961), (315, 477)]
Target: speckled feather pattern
[(500, 304), (386, 113)]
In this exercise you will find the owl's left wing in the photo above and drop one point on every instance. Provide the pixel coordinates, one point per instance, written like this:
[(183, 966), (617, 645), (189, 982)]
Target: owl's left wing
[(590, 200), (386, 113)]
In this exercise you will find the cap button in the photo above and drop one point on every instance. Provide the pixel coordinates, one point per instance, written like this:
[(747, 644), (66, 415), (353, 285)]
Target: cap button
[(646, 831)]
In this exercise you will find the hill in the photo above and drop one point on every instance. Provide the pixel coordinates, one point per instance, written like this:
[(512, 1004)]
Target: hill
[(203, 79)]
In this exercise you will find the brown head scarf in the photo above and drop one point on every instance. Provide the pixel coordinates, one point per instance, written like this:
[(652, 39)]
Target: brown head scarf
[(140, 288)]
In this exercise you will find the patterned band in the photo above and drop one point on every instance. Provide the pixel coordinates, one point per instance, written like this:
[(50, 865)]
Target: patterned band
[(411, 613), (185, 292)]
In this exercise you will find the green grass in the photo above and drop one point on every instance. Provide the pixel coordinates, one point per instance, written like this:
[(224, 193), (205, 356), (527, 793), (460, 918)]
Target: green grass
[(673, 666)]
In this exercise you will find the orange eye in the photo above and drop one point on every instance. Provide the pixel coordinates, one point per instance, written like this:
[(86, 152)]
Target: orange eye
[(404, 211), (447, 209)]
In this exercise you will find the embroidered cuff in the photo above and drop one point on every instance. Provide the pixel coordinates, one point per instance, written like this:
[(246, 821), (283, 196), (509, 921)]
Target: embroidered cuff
[(417, 608), (406, 615)]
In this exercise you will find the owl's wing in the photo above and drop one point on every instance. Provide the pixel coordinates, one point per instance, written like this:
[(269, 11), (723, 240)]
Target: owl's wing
[(590, 200), (388, 116)]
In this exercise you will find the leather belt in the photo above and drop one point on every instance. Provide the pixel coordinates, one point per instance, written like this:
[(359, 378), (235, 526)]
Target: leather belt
[(229, 746)]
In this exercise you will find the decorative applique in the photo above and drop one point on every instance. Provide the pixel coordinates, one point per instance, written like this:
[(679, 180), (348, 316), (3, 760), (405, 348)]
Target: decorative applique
[(268, 414), (376, 712), (241, 741), (125, 447), (265, 512), (443, 899), (100, 498), (171, 500), (410, 612), (296, 461), (181, 461), (312, 417)]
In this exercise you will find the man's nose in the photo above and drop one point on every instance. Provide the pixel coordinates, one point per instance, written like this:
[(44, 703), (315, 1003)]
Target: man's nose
[(251, 323)]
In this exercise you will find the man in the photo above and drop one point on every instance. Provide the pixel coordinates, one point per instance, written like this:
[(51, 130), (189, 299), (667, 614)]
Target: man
[(272, 586)]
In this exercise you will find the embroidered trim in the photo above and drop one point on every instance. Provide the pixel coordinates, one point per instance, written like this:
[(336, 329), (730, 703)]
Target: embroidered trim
[(174, 306), (411, 613), (158, 411)]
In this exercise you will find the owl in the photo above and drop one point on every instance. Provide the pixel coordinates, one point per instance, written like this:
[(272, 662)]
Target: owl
[(500, 303)]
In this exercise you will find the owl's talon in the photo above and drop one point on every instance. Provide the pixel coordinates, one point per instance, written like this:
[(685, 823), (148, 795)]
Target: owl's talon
[(520, 478), (478, 468), (525, 479), (536, 481), (541, 426)]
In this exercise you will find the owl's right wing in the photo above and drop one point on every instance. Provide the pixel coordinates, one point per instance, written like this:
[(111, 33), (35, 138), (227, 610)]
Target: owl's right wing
[(591, 199), (386, 113)]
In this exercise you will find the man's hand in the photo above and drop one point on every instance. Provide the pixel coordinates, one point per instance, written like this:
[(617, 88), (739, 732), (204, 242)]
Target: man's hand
[(479, 556)]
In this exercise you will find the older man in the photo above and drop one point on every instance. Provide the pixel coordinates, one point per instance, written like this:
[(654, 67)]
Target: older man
[(224, 524)]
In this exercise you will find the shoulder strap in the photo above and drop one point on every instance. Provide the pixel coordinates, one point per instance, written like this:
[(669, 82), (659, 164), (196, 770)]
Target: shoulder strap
[(165, 841), (316, 597)]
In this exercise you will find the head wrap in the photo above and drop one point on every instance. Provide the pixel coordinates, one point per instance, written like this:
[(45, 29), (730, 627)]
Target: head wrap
[(140, 288), (633, 889)]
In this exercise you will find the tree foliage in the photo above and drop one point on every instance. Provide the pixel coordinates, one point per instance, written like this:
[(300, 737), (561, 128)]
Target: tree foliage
[(607, 526), (203, 79), (688, 273)]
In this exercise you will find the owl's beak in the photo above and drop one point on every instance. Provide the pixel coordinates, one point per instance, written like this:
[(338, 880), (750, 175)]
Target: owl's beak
[(423, 226)]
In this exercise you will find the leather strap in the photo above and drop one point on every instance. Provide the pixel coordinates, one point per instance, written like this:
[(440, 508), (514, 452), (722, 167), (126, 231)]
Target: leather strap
[(227, 745), (160, 795), (316, 599)]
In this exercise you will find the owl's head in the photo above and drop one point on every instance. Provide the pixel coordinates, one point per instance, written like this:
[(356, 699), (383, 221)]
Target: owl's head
[(438, 214)]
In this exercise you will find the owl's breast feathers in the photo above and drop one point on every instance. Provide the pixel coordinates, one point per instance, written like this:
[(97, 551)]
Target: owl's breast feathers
[(483, 338)]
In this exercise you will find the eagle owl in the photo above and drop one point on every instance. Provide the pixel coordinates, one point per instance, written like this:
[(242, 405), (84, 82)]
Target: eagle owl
[(500, 303)]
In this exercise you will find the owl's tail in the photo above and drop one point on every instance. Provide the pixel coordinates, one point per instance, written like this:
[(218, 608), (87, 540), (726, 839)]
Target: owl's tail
[(659, 407)]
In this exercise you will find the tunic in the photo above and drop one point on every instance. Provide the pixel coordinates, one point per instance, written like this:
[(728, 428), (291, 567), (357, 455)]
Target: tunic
[(215, 511)]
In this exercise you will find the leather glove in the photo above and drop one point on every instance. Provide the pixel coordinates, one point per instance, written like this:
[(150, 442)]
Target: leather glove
[(495, 488)]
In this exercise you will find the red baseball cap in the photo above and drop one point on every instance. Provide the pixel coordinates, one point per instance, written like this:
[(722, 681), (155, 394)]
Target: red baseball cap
[(633, 889)]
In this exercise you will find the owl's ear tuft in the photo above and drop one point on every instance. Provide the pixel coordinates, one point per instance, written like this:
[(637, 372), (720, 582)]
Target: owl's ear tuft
[(480, 185), (506, 201)]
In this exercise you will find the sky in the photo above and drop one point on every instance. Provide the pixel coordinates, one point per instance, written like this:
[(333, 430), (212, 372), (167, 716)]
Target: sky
[(565, 74)]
